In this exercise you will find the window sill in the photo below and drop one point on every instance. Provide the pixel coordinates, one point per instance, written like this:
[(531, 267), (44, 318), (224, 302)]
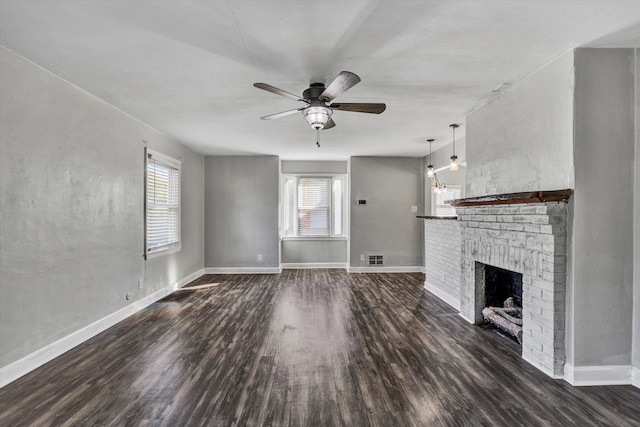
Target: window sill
[(315, 238), (167, 251)]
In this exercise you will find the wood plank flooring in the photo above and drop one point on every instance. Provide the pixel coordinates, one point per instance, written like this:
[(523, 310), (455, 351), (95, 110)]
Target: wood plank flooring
[(304, 348)]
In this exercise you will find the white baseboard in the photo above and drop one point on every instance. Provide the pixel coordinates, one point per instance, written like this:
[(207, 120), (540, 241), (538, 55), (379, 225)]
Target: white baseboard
[(449, 299), (597, 375), (398, 269), (190, 278), (312, 265), (49, 352), (242, 270), (635, 377)]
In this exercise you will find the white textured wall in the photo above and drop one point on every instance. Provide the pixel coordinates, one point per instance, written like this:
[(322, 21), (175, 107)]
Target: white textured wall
[(71, 197), (523, 140)]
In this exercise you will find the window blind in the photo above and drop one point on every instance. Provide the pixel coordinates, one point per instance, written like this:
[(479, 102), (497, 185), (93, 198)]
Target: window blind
[(163, 202), (314, 209)]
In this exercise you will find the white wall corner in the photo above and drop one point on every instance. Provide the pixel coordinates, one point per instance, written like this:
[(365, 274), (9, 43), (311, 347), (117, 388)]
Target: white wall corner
[(468, 319), (635, 377), (45, 354), (542, 367), (598, 375), (449, 299), (190, 278)]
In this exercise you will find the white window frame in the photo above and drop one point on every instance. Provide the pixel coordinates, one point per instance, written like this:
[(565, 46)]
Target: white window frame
[(167, 162), (289, 207), (452, 192)]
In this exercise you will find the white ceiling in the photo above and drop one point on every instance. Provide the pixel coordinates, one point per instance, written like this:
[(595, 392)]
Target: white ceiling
[(187, 67)]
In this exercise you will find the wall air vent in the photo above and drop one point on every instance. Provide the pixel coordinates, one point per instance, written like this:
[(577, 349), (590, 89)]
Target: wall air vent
[(375, 259)]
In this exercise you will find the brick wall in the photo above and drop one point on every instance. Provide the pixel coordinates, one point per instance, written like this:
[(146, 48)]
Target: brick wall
[(529, 239), (442, 259)]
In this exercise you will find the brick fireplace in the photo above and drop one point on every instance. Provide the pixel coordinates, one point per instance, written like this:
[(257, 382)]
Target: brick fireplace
[(526, 238)]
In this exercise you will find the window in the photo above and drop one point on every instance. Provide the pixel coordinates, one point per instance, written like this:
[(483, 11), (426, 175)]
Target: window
[(438, 205), (313, 206), (162, 208)]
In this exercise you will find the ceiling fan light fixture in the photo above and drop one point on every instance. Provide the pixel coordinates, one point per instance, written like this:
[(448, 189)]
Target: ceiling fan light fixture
[(317, 116)]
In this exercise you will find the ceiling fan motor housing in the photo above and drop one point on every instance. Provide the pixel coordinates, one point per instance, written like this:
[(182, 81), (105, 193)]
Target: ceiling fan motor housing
[(314, 91)]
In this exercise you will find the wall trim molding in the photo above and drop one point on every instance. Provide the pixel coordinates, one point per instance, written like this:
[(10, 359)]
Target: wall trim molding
[(188, 279), (398, 269), (635, 377), (449, 299), (34, 360), (312, 265), (598, 375), (242, 270)]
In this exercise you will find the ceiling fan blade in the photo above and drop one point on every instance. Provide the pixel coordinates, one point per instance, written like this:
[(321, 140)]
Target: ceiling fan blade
[(330, 124), (345, 81), (359, 107), (280, 92), (281, 114)]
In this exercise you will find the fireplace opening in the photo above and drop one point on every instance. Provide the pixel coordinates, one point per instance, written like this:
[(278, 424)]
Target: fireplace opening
[(502, 302)]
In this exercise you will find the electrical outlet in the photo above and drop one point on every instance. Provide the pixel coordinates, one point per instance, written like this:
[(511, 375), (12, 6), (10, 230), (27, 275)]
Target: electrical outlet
[(140, 283), (259, 257), (362, 257)]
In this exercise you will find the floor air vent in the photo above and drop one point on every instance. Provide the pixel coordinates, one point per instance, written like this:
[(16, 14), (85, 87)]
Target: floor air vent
[(377, 259)]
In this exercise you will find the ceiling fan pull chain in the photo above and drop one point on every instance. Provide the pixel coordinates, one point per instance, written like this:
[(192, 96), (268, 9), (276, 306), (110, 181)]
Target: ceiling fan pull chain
[(318, 137)]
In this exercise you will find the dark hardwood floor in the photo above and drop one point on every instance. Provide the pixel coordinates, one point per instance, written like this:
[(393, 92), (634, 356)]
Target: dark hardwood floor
[(304, 348)]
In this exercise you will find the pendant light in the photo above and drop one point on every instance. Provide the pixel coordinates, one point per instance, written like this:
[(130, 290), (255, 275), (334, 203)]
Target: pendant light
[(437, 186), (430, 169), (454, 159)]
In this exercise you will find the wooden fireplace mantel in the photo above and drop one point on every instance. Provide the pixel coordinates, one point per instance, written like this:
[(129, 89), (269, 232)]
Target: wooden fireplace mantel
[(514, 198)]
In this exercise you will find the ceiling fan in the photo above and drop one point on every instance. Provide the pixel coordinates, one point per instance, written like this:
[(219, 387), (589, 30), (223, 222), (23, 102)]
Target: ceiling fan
[(317, 109)]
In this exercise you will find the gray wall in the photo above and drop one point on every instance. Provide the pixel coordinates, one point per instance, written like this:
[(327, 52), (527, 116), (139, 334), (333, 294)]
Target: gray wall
[(391, 185), (636, 239), (314, 251), (71, 191), (307, 166), (603, 207), (241, 211), (523, 140)]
